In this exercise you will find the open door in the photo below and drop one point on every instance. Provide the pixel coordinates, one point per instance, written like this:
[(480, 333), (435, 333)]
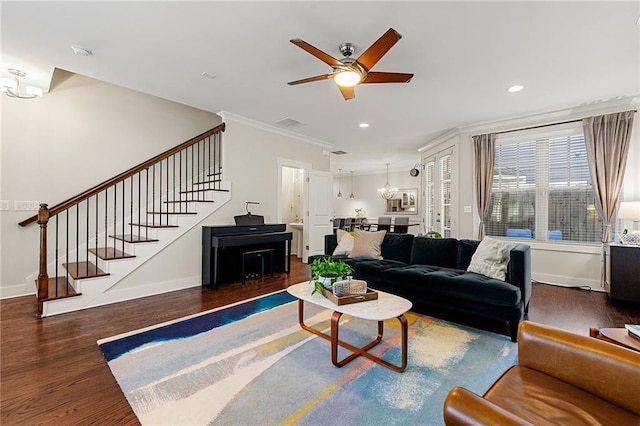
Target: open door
[(318, 208)]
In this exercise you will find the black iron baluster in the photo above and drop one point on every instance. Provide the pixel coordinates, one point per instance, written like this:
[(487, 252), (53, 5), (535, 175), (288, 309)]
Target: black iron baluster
[(146, 193), (67, 248), (96, 225), (86, 246), (131, 206), (56, 261), (77, 238), (106, 219), (139, 204), (124, 202), (160, 192)]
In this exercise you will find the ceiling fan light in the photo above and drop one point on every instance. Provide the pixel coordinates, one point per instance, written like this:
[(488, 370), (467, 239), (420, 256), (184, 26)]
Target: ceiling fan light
[(347, 78)]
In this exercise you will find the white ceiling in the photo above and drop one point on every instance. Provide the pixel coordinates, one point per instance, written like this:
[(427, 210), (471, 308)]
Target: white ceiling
[(464, 56)]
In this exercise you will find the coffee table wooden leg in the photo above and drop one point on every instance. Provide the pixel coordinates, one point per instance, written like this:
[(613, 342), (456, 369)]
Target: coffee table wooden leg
[(362, 351)]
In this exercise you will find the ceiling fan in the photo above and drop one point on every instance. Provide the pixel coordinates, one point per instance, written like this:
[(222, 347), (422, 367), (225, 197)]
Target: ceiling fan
[(349, 72)]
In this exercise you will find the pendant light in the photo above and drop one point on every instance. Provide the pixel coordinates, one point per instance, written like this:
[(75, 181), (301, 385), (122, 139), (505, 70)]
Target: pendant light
[(387, 192), (352, 196), (339, 183)]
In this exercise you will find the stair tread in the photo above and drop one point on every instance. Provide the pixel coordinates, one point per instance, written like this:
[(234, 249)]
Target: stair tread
[(154, 225), (188, 201), (129, 238), (64, 289), (172, 212), (110, 253), (84, 269), (203, 190)]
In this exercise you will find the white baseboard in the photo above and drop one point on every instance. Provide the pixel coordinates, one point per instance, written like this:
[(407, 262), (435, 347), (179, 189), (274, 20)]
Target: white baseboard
[(116, 295), (564, 281), (17, 290)]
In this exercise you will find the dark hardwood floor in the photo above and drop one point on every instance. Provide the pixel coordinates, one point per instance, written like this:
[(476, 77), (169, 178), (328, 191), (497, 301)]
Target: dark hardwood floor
[(52, 371)]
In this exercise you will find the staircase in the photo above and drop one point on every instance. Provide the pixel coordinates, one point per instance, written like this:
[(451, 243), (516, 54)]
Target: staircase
[(99, 237)]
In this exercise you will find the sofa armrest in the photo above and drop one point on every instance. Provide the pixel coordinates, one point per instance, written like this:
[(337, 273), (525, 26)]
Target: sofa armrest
[(603, 369), (519, 270), (463, 407), (330, 244)]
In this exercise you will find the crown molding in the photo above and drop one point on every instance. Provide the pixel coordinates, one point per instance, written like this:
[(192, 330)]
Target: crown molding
[(229, 116), (618, 104)]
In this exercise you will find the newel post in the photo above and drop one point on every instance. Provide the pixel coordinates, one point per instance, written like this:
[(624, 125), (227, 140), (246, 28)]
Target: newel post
[(43, 278)]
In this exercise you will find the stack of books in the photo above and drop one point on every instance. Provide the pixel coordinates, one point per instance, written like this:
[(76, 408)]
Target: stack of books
[(633, 329)]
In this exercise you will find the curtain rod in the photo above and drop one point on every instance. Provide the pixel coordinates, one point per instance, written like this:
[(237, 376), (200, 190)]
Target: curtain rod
[(545, 125)]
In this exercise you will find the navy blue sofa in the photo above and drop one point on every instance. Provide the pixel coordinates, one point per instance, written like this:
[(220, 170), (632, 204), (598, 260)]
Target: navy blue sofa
[(432, 271)]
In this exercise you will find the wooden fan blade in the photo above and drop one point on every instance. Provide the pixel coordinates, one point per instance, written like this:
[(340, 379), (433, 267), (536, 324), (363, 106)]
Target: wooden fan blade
[(347, 92), (387, 77), (310, 79), (377, 50), (324, 57)]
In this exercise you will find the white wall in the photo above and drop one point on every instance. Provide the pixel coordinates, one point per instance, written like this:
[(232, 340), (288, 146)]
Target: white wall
[(562, 264), (79, 134), (365, 189)]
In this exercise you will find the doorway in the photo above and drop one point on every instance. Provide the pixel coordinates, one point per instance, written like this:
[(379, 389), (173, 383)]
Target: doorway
[(292, 206)]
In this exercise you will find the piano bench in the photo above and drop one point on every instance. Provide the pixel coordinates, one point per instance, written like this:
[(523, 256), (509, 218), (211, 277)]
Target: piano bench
[(258, 254)]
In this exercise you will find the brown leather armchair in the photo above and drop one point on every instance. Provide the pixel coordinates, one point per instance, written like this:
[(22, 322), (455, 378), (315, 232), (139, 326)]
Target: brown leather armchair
[(561, 378)]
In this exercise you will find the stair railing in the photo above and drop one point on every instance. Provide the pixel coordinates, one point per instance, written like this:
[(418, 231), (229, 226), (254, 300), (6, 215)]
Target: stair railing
[(123, 209)]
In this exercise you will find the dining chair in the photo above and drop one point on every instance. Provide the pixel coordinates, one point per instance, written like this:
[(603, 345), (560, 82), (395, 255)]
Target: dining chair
[(365, 225), (348, 224), (401, 224), (384, 223), (337, 224)]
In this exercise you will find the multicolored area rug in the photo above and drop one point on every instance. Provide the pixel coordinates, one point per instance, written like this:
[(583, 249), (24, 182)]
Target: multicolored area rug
[(251, 363)]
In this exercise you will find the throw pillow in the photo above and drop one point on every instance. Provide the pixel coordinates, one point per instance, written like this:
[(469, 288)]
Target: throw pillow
[(491, 258), (367, 245), (345, 243)]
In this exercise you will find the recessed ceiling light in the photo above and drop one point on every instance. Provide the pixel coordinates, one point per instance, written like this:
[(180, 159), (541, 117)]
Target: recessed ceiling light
[(363, 125), (81, 51), (515, 88)]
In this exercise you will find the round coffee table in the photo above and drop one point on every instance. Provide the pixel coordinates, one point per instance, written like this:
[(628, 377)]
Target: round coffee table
[(386, 306)]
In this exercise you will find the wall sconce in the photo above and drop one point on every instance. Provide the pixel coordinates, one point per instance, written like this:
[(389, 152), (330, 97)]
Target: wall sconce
[(13, 89)]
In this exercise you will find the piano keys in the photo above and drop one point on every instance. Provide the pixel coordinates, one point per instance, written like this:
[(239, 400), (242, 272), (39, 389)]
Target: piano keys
[(222, 248)]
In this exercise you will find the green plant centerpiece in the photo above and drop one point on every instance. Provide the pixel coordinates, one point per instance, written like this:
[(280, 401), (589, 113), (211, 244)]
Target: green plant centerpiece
[(325, 271)]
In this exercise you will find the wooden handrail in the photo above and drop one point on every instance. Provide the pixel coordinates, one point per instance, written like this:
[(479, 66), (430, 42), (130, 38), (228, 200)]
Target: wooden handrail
[(124, 175)]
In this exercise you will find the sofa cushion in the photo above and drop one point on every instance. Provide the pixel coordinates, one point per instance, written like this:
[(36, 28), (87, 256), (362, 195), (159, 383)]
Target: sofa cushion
[(345, 243), (367, 245), (466, 248), (455, 283), (441, 252), (397, 247), (491, 258), (371, 270)]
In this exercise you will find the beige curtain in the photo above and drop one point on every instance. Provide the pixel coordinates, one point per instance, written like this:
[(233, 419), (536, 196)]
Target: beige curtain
[(607, 138), (484, 158)]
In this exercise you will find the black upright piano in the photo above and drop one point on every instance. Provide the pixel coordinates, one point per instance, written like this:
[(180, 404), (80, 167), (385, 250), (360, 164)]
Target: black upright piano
[(222, 248)]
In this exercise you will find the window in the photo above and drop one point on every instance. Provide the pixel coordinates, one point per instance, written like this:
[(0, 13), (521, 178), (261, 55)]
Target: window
[(542, 189)]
